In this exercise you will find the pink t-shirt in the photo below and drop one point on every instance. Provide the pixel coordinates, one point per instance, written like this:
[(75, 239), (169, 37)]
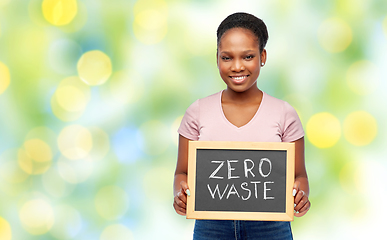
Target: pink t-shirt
[(274, 121)]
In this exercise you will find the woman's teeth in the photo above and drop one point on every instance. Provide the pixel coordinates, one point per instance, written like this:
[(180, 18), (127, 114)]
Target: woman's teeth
[(239, 78)]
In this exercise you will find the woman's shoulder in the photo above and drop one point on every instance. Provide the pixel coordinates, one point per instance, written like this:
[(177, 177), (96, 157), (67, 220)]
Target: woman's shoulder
[(205, 102), (276, 103), (273, 100)]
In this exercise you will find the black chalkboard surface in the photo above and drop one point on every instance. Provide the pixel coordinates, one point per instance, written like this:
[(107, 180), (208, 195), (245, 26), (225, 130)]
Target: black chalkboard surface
[(240, 180)]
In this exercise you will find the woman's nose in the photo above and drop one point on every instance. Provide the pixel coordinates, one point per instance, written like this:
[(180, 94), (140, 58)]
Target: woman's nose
[(237, 66)]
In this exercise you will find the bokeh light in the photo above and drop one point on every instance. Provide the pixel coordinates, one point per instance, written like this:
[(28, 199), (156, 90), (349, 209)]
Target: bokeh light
[(55, 185), (111, 202), (116, 232), (323, 130), (10, 170), (360, 128), (61, 113), (68, 222), (38, 150), (150, 21), (155, 181), (75, 171), (126, 145), (35, 157), (70, 99), (5, 77), (5, 230), (354, 8), (37, 216), (126, 87), (335, 35), (94, 67), (101, 143), (45, 134), (363, 77), (151, 137), (59, 12), (75, 142), (351, 178)]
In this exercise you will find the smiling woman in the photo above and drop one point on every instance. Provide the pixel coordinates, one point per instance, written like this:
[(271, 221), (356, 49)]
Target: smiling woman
[(241, 112), (239, 59)]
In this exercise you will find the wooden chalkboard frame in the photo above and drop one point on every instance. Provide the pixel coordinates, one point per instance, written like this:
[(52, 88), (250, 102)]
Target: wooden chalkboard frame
[(288, 215)]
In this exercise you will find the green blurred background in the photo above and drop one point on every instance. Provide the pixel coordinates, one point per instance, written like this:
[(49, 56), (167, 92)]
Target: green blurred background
[(92, 93)]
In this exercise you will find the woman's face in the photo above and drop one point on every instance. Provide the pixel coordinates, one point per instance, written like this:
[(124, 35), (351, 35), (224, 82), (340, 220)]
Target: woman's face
[(239, 59)]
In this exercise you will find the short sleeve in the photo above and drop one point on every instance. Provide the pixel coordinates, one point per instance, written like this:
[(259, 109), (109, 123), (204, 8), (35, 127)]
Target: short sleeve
[(189, 126), (292, 127)]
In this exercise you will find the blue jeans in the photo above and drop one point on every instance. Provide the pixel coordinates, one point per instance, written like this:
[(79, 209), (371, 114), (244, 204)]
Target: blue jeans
[(241, 230)]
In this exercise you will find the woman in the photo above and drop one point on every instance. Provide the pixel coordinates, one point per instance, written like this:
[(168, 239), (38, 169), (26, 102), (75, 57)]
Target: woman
[(241, 112)]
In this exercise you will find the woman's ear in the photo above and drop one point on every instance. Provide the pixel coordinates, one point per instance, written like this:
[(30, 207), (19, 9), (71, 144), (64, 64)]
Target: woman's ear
[(263, 57)]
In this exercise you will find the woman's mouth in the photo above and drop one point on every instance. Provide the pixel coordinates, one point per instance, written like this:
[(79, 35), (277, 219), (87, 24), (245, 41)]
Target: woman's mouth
[(239, 79)]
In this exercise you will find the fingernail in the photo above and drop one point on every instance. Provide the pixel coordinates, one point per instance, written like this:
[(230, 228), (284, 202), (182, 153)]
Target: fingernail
[(297, 212), (188, 192), (294, 192), (295, 205)]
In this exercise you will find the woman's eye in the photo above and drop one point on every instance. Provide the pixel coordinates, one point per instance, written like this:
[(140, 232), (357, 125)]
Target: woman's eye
[(225, 58), (249, 57)]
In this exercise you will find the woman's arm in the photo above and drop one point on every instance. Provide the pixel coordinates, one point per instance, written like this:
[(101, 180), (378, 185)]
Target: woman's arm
[(301, 184), (180, 187)]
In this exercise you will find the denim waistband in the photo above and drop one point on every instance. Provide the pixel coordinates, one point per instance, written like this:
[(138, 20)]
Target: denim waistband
[(241, 230)]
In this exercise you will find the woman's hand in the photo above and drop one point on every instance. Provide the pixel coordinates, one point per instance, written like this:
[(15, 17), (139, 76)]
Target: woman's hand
[(301, 200), (180, 199)]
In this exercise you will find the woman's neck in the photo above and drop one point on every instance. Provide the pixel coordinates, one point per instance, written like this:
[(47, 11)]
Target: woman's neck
[(251, 95)]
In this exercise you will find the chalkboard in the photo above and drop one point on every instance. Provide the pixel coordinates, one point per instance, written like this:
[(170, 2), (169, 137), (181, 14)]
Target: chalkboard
[(240, 180)]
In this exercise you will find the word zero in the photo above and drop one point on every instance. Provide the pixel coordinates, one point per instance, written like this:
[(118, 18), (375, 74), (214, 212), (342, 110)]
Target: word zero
[(248, 167)]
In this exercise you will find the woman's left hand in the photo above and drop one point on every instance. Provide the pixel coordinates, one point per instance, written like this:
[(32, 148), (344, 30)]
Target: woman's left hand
[(301, 200)]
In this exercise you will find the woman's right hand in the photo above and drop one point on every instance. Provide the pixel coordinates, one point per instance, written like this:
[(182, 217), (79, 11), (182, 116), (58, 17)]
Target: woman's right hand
[(180, 199)]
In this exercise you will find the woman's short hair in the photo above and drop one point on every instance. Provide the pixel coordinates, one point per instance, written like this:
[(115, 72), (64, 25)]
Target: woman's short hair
[(246, 21)]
